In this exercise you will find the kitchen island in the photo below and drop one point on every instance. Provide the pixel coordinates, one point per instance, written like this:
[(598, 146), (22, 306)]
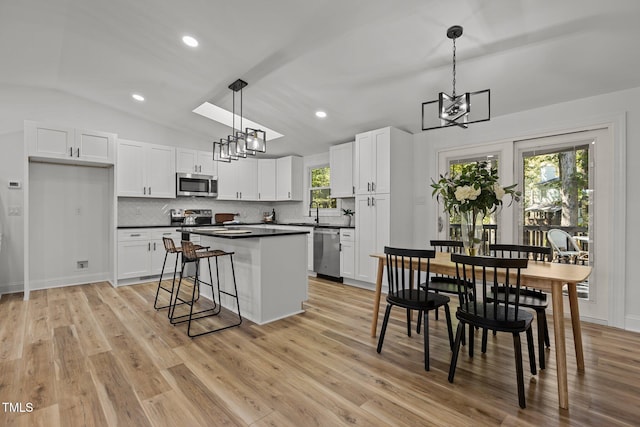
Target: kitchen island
[(270, 267)]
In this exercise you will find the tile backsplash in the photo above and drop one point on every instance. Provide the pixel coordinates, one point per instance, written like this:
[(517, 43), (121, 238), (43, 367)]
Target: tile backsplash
[(138, 211)]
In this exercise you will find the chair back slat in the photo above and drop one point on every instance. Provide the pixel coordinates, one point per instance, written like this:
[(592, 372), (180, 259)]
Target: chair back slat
[(406, 269), (478, 276), (169, 246)]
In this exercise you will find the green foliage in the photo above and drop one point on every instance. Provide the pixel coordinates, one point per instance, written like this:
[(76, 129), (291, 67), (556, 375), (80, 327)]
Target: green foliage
[(348, 212), (321, 177), (474, 187)]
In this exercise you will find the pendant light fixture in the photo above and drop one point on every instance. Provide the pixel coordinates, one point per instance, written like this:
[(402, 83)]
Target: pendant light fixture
[(239, 144), (454, 109)]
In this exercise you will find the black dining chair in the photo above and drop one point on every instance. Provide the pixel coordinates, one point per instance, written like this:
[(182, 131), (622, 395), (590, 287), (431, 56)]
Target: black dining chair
[(502, 313), (529, 297), (442, 283), (406, 268)]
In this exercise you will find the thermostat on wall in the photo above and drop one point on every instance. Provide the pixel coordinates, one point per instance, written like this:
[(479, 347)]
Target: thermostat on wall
[(15, 184)]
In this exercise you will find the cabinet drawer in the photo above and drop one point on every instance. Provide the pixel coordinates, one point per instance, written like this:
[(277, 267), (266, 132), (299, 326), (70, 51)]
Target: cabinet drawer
[(133, 234), (347, 234)]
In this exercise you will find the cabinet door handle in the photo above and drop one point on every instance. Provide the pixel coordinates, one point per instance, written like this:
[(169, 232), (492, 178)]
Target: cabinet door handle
[(134, 235), (373, 186), (353, 190), (289, 194), (368, 186), (166, 234), (259, 196), (149, 190), (144, 190), (149, 246), (241, 194), (373, 201), (340, 247), (368, 201), (78, 152), (70, 151), (154, 246)]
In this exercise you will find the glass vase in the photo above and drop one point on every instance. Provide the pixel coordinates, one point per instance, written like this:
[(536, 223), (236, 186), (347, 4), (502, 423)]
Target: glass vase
[(472, 233)]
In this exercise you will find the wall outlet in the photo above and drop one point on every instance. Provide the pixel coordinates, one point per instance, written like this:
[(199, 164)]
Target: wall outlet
[(81, 265), (15, 211), (78, 211)]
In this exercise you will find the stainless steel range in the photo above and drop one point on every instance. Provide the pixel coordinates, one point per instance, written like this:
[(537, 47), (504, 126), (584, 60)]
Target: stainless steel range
[(191, 217)]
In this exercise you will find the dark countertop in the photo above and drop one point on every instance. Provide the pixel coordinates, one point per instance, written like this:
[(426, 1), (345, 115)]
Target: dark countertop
[(251, 232), (298, 224)]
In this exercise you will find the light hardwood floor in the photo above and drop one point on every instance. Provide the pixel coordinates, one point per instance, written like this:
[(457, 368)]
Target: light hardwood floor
[(93, 355)]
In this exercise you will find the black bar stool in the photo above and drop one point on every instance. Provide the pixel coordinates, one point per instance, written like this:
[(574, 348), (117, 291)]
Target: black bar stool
[(190, 255), (170, 248)]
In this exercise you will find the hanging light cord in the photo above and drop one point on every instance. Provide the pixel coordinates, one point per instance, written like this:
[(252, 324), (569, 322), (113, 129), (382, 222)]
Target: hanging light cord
[(454, 67)]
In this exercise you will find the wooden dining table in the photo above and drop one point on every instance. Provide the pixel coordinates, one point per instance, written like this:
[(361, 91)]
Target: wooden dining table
[(545, 276)]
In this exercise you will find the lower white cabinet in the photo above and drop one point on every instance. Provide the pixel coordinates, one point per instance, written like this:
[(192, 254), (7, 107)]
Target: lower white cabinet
[(141, 252), (373, 219), (347, 253)]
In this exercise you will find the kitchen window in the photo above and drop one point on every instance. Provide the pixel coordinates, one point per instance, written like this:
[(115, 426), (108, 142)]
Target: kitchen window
[(320, 189)]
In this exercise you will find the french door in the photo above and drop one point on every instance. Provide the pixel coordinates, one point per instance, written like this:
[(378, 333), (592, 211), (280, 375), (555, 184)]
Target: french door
[(566, 186)]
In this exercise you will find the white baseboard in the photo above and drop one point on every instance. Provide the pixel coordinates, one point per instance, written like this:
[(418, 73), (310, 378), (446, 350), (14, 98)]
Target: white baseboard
[(365, 285), (632, 323), (35, 285), (11, 288)]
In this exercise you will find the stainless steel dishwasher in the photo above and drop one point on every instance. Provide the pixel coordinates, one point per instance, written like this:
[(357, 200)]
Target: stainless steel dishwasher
[(326, 252)]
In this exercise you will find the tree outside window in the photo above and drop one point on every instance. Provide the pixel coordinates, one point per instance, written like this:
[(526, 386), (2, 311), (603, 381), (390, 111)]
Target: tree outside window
[(320, 188)]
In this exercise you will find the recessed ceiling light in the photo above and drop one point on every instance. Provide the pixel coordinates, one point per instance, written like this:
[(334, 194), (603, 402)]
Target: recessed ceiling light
[(321, 114), (190, 41), (138, 97)]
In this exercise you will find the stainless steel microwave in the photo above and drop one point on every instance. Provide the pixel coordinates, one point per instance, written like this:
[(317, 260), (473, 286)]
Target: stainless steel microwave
[(190, 184)]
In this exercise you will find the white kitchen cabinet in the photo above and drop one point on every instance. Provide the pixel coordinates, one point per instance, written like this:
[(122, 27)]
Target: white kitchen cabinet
[(289, 178), (266, 179), (146, 170), (238, 180), (70, 145), (347, 253), (373, 158), (141, 252), (384, 195), (195, 161), (341, 163), (373, 233)]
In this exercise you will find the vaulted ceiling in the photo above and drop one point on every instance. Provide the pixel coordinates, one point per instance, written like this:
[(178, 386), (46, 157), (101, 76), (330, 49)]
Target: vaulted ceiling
[(367, 63)]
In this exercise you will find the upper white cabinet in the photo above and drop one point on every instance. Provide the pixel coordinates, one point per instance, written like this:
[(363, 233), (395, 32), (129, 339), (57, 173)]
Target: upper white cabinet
[(341, 163), (238, 180), (195, 161), (266, 179), (146, 170), (373, 158), (289, 178), (70, 145)]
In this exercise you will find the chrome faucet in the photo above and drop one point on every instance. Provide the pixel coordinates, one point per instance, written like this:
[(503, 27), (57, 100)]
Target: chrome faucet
[(317, 211)]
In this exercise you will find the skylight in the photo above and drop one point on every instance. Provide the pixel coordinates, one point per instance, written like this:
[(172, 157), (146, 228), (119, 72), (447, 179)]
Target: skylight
[(225, 117)]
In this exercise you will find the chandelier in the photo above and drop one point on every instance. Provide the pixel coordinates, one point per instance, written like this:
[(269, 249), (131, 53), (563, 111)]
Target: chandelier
[(240, 143), (454, 109)]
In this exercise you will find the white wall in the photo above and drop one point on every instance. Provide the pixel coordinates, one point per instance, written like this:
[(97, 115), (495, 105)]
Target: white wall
[(19, 103), (608, 108)]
